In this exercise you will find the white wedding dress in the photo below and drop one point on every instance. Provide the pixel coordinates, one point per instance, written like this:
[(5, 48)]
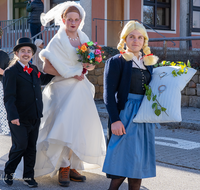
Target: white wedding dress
[(70, 133), (70, 122)]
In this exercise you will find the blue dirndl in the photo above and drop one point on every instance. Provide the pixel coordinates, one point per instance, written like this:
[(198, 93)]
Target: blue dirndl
[(132, 155)]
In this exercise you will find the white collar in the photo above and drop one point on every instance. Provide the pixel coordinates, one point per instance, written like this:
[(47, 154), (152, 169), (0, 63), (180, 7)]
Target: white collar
[(140, 56), (22, 64)]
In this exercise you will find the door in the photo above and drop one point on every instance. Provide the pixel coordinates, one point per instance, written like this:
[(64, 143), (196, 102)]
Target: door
[(19, 9), (115, 11)]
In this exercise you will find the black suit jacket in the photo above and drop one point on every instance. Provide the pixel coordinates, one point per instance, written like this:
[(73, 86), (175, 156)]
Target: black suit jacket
[(22, 92), (117, 80), (4, 61)]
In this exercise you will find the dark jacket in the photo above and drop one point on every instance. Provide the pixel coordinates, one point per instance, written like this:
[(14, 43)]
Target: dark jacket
[(35, 8), (22, 92), (4, 61), (117, 80)]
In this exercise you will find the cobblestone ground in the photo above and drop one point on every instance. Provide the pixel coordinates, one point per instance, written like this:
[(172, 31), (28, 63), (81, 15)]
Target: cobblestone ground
[(178, 156)]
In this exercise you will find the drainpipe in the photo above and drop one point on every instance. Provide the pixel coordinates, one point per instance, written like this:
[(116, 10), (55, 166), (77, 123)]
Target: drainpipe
[(190, 23)]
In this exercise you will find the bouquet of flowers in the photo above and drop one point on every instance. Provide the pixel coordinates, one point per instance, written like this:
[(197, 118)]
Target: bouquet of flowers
[(91, 53)]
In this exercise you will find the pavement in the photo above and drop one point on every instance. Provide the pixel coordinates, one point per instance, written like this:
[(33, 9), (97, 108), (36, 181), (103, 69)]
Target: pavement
[(177, 160)]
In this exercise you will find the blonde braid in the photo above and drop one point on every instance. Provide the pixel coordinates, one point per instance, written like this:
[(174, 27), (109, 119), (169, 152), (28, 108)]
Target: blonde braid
[(126, 55), (146, 48), (120, 45), (149, 59)]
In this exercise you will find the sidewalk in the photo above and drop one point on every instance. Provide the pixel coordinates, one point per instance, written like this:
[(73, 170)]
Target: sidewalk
[(190, 117), (177, 168)]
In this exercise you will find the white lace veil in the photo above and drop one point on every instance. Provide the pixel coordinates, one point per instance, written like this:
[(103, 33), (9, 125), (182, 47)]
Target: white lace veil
[(56, 12)]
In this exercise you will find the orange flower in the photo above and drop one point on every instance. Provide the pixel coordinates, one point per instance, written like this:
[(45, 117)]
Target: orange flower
[(83, 48)]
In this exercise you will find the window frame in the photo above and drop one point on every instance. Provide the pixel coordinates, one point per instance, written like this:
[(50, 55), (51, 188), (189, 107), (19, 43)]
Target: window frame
[(156, 4), (195, 8)]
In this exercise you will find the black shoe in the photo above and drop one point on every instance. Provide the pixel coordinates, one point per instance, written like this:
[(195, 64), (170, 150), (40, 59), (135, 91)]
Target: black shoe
[(8, 179), (30, 182)]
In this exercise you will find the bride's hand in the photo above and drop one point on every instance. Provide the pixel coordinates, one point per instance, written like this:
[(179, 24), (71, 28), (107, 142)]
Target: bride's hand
[(88, 66), (80, 78)]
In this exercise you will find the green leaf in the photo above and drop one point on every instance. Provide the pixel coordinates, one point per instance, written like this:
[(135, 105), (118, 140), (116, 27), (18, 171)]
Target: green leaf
[(154, 105), (146, 87), (90, 43), (149, 97), (149, 92), (157, 112), (163, 109), (188, 64), (174, 73), (154, 98), (179, 72), (156, 65)]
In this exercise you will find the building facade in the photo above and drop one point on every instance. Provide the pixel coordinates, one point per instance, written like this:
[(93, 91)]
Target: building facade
[(106, 18)]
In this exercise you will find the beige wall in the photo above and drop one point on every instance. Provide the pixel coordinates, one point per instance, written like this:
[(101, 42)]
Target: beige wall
[(98, 8), (3, 9)]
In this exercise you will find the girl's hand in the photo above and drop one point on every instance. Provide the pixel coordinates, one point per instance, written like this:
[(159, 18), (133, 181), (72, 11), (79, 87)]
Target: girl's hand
[(117, 128), (80, 78), (88, 66), (15, 122)]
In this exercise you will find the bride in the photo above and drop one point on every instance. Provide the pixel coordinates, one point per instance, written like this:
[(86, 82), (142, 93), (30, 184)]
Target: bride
[(71, 133)]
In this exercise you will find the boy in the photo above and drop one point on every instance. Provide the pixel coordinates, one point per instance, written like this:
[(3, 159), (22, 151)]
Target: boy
[(23, 101)]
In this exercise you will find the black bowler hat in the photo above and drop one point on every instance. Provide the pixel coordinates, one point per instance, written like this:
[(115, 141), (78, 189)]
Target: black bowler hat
[(25, 42)]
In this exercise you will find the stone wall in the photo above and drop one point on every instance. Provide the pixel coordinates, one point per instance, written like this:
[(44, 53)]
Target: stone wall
[(96, 78), (191, 93)]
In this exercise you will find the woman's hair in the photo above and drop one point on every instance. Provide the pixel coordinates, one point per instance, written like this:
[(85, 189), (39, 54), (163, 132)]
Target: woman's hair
[(13, 61), (69, 10), (129, 27)]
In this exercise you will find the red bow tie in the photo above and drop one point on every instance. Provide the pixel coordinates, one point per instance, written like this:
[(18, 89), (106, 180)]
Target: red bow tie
[(29, 70)]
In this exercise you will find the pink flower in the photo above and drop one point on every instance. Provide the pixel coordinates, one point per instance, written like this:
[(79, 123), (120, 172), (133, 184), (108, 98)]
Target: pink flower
[(97, 52)]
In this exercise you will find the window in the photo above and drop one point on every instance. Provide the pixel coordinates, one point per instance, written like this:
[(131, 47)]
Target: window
[(157, 14), (196, 16)]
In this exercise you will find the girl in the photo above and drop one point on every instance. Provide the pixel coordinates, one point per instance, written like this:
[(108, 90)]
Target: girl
[(131, 151)]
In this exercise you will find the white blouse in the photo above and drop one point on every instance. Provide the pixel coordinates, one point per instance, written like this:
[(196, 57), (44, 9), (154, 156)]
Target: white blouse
[(139, 62)]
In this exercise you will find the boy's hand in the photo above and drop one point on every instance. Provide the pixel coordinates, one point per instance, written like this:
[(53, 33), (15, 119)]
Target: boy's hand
[(15, 122)]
